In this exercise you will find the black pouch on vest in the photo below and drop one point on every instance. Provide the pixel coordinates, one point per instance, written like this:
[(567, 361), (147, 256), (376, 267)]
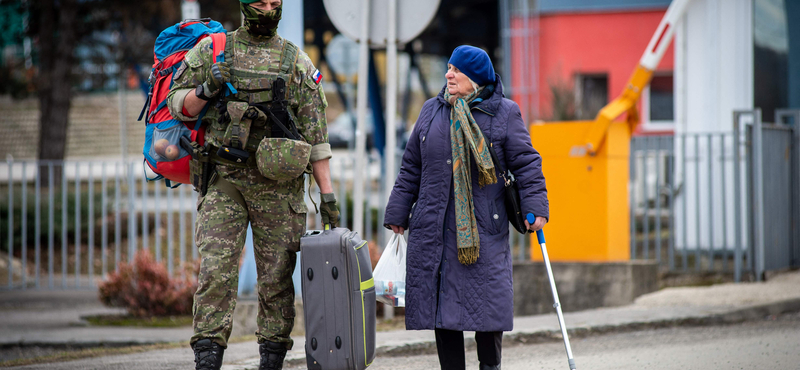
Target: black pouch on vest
[(233, 154)]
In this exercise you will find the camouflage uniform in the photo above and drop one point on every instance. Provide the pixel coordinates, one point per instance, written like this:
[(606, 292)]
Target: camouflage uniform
[(275, 210)]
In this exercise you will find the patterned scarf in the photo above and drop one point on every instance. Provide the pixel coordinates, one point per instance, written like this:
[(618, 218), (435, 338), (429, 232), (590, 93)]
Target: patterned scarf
[(465, 135)]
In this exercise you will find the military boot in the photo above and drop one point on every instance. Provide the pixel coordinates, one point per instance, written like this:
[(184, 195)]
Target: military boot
[(489, 367), (272, 355), (207, 355)]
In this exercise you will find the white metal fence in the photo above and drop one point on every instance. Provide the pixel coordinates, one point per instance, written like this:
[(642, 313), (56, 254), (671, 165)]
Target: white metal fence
[(67, 224)]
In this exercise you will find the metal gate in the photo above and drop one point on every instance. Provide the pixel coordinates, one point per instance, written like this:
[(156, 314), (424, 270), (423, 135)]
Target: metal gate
[(780, 189), (719, 201)]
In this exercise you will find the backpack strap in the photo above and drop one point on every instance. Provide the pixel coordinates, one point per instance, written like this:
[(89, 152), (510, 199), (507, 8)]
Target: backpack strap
[(221, 48), (288, 57)]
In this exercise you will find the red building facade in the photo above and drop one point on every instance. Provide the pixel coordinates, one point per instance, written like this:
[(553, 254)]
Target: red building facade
[(591, 55)]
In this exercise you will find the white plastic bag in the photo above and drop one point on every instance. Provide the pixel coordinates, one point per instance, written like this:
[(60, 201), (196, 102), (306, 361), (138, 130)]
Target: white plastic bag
[(390, 273)]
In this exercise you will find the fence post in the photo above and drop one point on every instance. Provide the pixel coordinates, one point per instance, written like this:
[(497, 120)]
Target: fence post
[(725, 252), (145, 241), (117, 217), (659, 139), (77, 225), (671, 246), (38, 227), (685, 254), (10, 163), (23, 247), (737, 195), (91, 226), (645, 201), (51, 225), (131, 211), (64, 224), (104, 230), (711, 203), (157, 225), (758, 190), (181, 225), (170, 239), (697, 257)]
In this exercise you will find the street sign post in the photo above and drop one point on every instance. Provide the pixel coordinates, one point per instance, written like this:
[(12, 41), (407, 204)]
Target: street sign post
[(377, 23)]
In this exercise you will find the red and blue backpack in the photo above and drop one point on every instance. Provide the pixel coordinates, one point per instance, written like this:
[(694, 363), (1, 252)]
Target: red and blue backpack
[(162, 148)]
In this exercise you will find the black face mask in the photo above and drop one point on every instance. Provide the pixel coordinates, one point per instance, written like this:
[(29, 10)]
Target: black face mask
[(261, 23)]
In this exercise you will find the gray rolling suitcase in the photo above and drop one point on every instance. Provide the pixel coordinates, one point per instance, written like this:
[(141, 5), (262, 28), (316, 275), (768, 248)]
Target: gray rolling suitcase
[(338, 300)]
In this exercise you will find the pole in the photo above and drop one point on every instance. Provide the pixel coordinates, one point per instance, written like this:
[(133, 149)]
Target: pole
[(391, 109), (361, 139)]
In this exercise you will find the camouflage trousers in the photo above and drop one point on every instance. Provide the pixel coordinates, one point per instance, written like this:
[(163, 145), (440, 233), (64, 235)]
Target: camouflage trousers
[(277, 213)]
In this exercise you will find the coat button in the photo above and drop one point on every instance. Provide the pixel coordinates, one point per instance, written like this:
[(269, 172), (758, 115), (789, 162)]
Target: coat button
[(423, 139), (496, 216), (449, 161)]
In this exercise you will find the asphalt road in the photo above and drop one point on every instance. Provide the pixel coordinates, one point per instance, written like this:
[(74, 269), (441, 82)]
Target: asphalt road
[(773, 343)]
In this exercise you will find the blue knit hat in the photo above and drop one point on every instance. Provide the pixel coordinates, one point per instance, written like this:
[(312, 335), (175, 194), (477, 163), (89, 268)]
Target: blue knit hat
[(473, 62)]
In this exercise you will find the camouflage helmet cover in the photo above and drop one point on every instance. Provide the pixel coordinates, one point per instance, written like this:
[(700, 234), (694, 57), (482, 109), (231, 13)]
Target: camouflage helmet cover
[(282, 159)]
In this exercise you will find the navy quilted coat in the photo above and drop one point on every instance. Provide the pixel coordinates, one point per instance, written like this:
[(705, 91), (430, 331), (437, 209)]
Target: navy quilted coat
[(440, 291)]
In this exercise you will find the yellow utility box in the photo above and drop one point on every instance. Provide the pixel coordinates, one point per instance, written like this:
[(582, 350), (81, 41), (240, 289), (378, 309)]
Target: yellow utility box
[(589, 214)]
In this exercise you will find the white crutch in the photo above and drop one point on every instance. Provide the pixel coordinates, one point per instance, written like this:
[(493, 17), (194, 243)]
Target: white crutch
[(556, 303)]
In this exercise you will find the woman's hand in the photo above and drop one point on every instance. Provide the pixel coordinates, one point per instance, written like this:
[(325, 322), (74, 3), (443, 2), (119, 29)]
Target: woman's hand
[(537, 225), (397, 229)]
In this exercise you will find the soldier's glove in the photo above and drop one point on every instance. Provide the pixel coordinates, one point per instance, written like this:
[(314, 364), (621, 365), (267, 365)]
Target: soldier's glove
[(219, 74), (329, 210)]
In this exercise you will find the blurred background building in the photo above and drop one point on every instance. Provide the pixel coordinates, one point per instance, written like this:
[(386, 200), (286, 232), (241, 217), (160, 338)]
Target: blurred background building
[(560, 60)]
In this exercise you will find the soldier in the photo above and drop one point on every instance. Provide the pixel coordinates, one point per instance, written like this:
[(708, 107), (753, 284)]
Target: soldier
[(262, 134)]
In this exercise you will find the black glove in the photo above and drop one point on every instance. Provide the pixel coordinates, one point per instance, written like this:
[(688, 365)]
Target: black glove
[(329, 210), (219, 74)]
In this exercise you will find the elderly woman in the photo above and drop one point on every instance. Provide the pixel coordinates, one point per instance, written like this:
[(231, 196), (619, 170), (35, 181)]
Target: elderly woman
[(459, 273)]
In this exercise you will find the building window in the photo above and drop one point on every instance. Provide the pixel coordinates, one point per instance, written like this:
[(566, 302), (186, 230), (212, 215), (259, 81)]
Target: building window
[(591, 92), (772, 77), (662, 98)]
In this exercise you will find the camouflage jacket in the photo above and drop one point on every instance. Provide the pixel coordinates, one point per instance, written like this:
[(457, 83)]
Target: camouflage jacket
[(257, 57)]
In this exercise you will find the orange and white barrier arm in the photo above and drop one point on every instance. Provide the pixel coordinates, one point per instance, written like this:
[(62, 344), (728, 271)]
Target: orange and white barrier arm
[(639, 80)]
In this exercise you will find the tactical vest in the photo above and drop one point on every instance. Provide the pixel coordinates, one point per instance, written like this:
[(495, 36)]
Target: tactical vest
[(236, 120)]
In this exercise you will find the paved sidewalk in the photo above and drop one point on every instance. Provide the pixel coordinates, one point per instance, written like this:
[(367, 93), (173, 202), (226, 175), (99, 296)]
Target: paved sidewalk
[(54, 318)]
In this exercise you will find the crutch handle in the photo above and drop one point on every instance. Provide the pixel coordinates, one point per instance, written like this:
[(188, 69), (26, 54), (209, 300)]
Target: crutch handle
[(539, 233)]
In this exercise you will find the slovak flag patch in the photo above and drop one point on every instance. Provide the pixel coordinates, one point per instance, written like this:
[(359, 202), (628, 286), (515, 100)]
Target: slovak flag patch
[(317, 77)]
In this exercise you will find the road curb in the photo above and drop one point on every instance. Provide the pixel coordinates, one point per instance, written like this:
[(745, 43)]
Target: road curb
[(84, 344), (735, 316)]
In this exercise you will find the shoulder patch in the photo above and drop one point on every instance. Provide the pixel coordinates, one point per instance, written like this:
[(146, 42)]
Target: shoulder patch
[(314, 79), (180, 71)]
